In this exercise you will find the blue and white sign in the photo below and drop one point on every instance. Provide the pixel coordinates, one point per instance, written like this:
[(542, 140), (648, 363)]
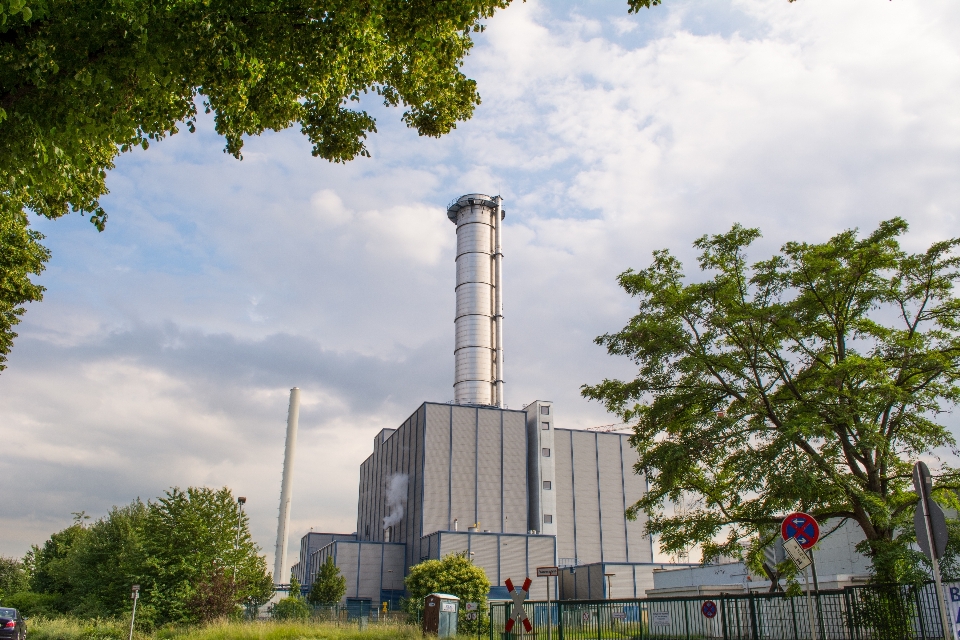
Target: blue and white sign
[(952, 590)]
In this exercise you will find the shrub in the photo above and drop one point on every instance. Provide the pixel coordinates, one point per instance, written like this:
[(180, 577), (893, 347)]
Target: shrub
[(291, 608)]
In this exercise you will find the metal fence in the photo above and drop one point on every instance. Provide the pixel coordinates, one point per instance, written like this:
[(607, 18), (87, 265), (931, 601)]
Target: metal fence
[(884, 612)]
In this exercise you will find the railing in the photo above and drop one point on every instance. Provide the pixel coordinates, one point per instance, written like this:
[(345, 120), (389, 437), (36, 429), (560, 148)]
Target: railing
[(884, 612)]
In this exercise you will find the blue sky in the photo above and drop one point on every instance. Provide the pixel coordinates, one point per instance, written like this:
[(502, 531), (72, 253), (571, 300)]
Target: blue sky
[(165, 348)]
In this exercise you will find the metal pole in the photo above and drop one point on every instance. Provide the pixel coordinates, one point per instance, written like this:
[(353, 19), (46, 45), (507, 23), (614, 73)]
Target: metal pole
[(813, 626), (934, 562), (135, 595), (236, 547), (549, 610), (498, 261), (286, 489)]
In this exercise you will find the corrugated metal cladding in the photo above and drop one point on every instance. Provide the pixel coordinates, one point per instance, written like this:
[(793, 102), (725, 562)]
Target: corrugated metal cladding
[(397, 458), (595, 484), (462, 463), (310, 544), (609, 580), (367, 567), (500, 555), (475, 469)]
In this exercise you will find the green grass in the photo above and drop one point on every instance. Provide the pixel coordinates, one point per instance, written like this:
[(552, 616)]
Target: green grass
[(74, 629)]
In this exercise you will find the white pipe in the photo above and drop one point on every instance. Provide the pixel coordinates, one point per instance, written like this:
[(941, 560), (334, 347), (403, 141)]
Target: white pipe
[(286, 488), (498, 259)]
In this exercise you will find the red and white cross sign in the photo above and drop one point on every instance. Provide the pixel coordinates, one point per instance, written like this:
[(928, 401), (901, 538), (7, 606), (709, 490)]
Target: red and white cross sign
[(518, 596)]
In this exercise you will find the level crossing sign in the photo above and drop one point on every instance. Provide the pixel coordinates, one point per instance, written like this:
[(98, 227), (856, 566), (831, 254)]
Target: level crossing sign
[(802, 528), (518, 596)]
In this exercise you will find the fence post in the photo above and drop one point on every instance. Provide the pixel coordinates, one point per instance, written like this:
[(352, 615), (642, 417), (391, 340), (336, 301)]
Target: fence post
[(599, 630), (559, 620), (723, 616), (793, 618), (753, 617), (916, 598)]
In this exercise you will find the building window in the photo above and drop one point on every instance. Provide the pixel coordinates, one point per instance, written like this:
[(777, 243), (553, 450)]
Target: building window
[(546, 453), (547, 485), (545, 426), (547, 518), (544, 411)]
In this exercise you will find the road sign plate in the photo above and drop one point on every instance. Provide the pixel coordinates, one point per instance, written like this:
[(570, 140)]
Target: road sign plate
[(801, 527), (546, 572), (709, 609), (797, 554)]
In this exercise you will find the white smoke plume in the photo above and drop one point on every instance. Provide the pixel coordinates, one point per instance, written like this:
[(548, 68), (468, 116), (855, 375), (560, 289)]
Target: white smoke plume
[(396, 499)]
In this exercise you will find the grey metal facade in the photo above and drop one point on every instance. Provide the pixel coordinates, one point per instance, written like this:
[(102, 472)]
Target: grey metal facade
[(309, 545), (464, 466), (500, 555), (369, 568), (609, 580), (595, 484)]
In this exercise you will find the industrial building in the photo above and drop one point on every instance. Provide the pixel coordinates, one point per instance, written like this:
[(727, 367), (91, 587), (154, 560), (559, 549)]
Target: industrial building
[(506, 487)]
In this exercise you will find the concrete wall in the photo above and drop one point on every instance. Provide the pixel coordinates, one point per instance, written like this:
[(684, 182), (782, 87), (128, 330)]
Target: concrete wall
[(541, 471), (500, 555), (595, 484)]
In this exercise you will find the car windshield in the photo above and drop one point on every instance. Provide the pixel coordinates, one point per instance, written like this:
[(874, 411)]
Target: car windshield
[(8, 613)]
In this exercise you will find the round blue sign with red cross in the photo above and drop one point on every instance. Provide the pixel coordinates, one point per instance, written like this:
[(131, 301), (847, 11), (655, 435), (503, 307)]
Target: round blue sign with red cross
[(709, 609), (802, 528)]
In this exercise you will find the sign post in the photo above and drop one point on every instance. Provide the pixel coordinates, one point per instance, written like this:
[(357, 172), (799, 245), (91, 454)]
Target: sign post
[(134, 595), (800, 532), (931, 534), (548, 572)]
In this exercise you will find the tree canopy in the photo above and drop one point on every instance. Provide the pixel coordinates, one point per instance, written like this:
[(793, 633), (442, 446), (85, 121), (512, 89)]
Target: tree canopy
[(328, 586), (81, 82), (182, 549), (453, 574), (808, 381)]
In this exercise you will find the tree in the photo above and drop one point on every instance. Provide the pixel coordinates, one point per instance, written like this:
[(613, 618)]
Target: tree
[(811, 381), (328, 586), (107, 561), (13, 577), (453, 574), (190, 541), (81, 82), (21, 255), (50, 565)]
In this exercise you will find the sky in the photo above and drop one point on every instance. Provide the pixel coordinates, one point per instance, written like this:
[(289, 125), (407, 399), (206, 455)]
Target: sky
[(165, 348)]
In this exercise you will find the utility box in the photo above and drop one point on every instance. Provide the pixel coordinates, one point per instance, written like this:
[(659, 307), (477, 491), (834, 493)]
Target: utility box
[(440, 611)]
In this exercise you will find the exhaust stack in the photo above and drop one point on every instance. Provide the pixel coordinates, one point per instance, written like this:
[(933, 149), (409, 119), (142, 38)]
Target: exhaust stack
[(478, 352), (286, 488)]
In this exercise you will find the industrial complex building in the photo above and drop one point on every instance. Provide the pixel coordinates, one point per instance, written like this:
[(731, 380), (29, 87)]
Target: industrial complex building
[(506, 487)]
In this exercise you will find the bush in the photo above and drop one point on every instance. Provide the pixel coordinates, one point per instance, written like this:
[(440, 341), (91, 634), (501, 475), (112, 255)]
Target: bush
[(291, 608), (32, 604), (453, 574)]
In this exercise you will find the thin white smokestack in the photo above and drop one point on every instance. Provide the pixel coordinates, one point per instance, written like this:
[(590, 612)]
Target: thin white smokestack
[(286, 488)]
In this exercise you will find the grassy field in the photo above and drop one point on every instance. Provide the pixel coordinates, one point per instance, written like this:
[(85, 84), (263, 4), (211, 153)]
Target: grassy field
[(74, 629)]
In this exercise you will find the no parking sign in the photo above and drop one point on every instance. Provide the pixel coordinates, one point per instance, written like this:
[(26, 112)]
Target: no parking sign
[(709, 609)]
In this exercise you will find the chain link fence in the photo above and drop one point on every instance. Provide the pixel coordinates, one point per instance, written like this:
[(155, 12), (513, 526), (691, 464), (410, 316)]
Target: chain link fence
[(875, 612)]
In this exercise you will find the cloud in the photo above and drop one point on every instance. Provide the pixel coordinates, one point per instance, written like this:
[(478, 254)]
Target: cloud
[(165, 347)]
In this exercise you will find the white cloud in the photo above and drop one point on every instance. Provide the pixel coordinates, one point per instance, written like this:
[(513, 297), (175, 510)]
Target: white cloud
[(165, 347)]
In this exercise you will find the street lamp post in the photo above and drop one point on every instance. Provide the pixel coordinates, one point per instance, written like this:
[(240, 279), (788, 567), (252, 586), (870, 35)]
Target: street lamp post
[(241, 501)]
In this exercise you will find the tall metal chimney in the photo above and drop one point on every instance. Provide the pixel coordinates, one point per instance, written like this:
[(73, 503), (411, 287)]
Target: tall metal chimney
[(286, 488), (478, 351)]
